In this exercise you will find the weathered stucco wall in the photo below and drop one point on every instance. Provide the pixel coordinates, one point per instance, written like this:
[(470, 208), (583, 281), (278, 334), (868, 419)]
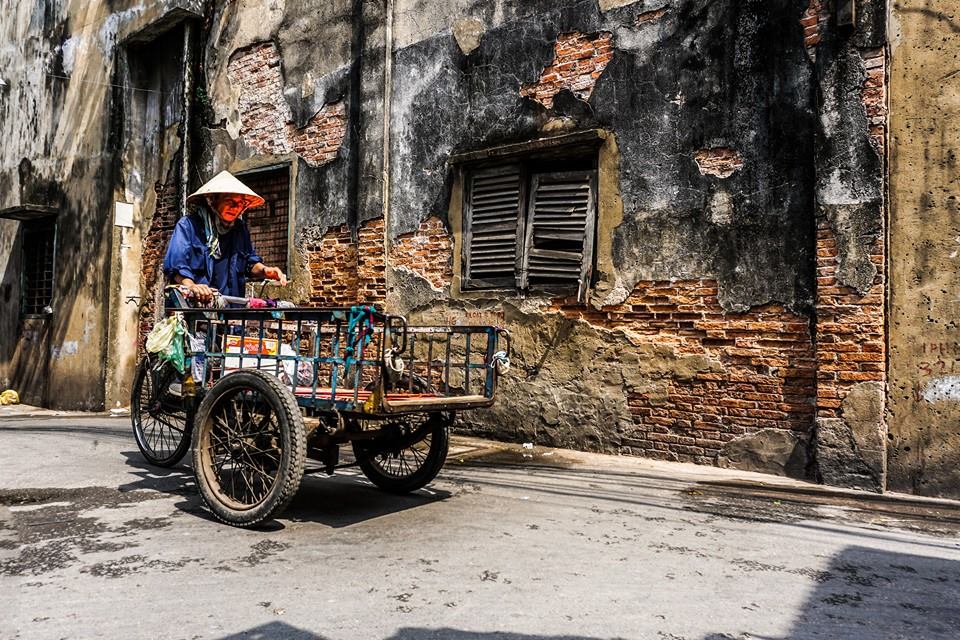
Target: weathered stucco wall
[(738, 216), (736, 315), (701, 232), (53, 160), (924, 390), (62, 143)]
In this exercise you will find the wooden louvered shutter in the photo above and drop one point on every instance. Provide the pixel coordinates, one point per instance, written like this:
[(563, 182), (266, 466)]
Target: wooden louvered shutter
[(494, 225), (559, 240)]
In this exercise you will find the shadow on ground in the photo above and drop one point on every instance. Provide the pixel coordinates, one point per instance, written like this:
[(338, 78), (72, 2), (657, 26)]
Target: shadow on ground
[(280, 630), (867, 594), (343, 500)]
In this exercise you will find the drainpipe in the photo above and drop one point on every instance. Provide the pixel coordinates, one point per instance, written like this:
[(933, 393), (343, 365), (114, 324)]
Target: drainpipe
[(387, 112), (355, 120), (186, 114)]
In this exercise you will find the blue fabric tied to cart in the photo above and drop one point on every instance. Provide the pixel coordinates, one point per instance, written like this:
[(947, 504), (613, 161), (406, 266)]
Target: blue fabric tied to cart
[(359, 333)]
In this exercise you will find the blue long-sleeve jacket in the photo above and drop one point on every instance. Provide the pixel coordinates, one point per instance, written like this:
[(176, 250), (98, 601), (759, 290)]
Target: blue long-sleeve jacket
[(189, 256)]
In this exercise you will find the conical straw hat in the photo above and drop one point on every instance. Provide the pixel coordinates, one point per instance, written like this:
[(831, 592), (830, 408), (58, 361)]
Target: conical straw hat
[(225, 183)]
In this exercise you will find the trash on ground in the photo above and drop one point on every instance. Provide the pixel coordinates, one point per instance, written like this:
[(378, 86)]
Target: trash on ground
[(9, 397)]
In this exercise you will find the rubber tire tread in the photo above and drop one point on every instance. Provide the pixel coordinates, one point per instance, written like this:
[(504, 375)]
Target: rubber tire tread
[(286, 488), (182, 448), (436, 457)]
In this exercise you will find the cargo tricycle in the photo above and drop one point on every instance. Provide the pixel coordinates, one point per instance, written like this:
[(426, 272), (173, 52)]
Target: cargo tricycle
[(264, 393)]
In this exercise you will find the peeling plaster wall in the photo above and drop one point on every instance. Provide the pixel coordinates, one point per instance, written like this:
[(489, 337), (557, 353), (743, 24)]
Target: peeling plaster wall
[(924, 411), (850, 340), (60, 126), (704, 75), (726, 200), (324, 127)]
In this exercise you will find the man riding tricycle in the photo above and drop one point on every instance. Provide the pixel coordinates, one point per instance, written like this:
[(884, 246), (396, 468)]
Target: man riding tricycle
[(256, 388)]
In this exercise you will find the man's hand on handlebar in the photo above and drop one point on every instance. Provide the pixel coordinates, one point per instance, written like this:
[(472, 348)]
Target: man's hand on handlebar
[(273, 273), (200, 292)]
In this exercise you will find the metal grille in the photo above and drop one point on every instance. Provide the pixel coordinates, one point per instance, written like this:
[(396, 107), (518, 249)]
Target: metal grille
[(39, 242), (269, 223)]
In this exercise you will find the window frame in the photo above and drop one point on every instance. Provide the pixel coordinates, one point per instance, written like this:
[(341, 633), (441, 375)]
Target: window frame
[(54, 230), (289, 168), (529, 178)]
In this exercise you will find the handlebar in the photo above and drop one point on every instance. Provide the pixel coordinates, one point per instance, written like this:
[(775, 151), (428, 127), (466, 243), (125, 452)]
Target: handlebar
[(182, 298), (390, 321)]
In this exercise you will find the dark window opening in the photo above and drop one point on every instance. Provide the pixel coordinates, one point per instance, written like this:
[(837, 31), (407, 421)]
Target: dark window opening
[(530, 226), (269, 223), (38, 240)]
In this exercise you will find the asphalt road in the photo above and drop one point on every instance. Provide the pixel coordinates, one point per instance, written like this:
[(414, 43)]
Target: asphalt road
[(94, 544)]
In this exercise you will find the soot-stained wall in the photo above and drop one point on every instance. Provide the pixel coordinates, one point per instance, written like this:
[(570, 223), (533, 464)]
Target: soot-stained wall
[(731, 226), (703, 75)]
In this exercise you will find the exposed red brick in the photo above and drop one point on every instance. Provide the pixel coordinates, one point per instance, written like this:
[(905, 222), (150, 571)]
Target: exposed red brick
[(155, 242), (371, 279), (579, 59), (874, 97), (721, 162), (766, 378), (266, 122), (427, 252), (651, 16), (850, 340), (344, 273), (813, 21)]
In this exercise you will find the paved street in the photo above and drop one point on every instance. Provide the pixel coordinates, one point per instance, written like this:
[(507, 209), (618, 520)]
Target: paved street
[(93, 544)]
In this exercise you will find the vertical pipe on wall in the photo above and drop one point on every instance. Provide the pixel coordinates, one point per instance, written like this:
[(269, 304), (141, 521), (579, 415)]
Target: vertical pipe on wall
[(354, 122), (186, 114), (387, 109)]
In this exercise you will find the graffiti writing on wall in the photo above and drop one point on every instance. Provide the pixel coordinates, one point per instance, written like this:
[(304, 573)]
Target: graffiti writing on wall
[(488, 317)]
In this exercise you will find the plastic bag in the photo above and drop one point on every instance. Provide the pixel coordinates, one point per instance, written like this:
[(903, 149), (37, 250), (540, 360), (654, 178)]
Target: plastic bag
[(166, 340), (9, 397)]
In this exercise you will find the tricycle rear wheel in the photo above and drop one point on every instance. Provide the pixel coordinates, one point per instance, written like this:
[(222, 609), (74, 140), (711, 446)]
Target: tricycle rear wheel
[(162, 421), (409, 454), (249, 448)]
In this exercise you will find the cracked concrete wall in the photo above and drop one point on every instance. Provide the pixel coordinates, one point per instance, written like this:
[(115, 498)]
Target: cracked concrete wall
[(924, 402)]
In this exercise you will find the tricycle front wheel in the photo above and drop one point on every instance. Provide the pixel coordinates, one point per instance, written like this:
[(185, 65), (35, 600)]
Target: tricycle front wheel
[(409, 453), (249, 448)]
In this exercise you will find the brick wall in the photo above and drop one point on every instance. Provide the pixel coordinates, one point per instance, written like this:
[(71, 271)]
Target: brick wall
[(850, 327), (344, 273), (266, 122), (269, 224), (765, 380), (154, 249), (371, 280), (874, 96), (814, 20), (427, 252), (579, 59)]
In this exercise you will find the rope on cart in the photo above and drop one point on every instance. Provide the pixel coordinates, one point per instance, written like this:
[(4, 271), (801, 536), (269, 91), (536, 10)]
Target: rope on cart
[(359, 333)]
